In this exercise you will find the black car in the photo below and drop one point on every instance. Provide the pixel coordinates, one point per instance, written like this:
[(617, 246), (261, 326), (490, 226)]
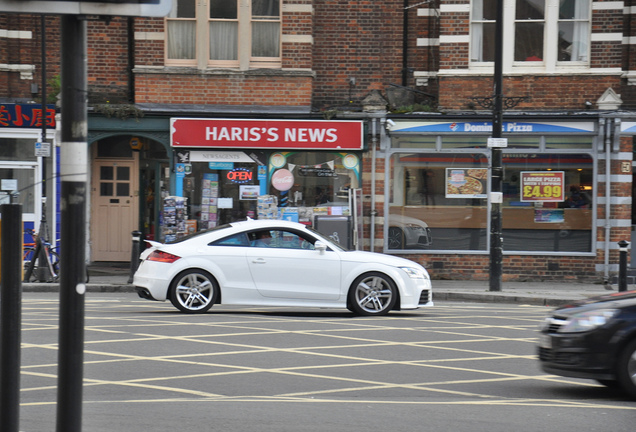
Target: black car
[(594, 339)]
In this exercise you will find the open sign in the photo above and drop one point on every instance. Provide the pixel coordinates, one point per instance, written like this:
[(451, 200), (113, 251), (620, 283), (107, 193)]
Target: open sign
[(240, 175)]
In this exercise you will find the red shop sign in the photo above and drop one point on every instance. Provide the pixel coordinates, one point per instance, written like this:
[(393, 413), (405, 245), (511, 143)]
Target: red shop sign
[(542, 186), (267, 134)]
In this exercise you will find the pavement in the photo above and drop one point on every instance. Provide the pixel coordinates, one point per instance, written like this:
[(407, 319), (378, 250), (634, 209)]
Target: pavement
[(115, 277)]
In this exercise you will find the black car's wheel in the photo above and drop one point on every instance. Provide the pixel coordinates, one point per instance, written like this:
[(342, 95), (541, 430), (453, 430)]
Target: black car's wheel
[(396, 238), (626, 369), (194, 291), (372, 294)]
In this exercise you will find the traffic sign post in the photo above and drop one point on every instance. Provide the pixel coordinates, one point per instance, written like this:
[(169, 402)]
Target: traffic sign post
[(73, 171), (149, 8), (74, 184)]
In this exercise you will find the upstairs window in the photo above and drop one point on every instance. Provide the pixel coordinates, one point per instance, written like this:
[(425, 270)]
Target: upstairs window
[(545, 33), (265, 29), (574, 30), (482, 30), (224, 33), (224, 30), (529, 30), (181, 31)]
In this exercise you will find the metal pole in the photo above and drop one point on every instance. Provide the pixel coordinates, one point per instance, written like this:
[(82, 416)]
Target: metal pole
[(623, 247), (10, 316), (43, 54), (134, 258), (496, 171), (73, 233)]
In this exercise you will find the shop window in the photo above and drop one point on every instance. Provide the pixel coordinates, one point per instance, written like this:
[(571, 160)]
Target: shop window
[(545, 33), (210, 33), (459, 142), (218, 194), (552, 216), (17, 149), (26, 184), (524, 143), (569, 143), (415, 141), (438, 201), (320, 182)]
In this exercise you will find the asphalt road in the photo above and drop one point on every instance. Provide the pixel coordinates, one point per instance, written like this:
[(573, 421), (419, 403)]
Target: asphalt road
[(454, 367)]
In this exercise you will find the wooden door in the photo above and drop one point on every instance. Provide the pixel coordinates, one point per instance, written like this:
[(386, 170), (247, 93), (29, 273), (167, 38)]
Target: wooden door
[(114, 209)]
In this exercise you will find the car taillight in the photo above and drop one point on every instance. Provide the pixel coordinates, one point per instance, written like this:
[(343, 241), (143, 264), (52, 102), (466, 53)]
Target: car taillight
[(164, 257)]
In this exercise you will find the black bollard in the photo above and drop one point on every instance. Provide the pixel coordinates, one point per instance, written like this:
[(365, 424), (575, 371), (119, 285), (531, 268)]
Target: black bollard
[(623, 247), (134, 254), (10, 316)]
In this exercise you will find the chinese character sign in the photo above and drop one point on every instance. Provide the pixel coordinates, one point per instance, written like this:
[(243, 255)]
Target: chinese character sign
[(544, 186), (26, 116)]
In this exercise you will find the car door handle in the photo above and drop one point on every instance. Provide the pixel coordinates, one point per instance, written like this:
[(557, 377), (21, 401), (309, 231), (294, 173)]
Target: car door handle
[(259, 261)]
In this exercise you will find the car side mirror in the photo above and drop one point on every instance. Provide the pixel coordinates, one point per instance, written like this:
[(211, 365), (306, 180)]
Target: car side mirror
[(320, 247)]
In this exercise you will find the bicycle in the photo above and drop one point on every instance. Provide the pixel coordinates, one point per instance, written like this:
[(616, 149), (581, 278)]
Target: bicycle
[(32, 272)]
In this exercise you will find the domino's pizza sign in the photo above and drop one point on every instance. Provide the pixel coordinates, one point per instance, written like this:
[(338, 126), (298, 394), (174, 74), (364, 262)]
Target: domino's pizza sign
[(157, 8)]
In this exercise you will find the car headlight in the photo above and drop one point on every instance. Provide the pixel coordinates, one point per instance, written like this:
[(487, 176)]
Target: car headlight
[(589, 320), (415, 273)]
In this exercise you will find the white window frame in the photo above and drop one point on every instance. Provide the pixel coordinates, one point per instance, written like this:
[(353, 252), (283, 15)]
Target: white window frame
[(244, 60), (550, 61)]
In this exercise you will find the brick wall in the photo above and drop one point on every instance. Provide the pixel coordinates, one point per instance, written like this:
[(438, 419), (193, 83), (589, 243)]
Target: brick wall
[(358, 39), (223, 89), (107, 52), (20, 50), (558, 92)]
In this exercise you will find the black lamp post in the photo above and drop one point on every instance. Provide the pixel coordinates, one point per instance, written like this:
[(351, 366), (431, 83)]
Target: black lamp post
[(496, 169)]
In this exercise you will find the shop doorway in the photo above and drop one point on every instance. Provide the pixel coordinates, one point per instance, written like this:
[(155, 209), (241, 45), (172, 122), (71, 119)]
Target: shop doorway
[(114, 208)]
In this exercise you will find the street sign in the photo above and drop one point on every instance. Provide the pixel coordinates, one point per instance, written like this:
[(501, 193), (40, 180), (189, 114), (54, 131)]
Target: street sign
[(497, 142), (150, 8), (43, 149)]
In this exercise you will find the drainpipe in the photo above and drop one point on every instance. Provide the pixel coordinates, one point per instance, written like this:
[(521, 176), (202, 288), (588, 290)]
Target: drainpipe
[(608, 154), (374, 142), (405, 45), (130, 30)]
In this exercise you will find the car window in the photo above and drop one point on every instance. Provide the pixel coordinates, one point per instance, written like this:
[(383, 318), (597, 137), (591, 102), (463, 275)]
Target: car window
[(280, 239), (239, 239)]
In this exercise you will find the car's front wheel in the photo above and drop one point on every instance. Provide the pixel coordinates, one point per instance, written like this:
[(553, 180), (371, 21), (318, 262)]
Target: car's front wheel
[(194, 291), (626, 372), (372, 294)]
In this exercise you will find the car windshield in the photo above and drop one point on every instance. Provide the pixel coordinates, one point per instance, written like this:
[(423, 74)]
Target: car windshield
[(199, 233)]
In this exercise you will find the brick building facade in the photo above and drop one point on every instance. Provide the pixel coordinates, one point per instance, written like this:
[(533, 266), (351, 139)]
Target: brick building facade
[(416, 75)]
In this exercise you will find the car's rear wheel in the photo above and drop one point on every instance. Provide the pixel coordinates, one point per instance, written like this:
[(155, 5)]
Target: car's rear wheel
[(396, 238), (194, 291), (626, 369), (372, 294)]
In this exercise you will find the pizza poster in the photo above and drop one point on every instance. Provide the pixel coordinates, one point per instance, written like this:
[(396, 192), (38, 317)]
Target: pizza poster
[(542, 186), (466, 182)]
